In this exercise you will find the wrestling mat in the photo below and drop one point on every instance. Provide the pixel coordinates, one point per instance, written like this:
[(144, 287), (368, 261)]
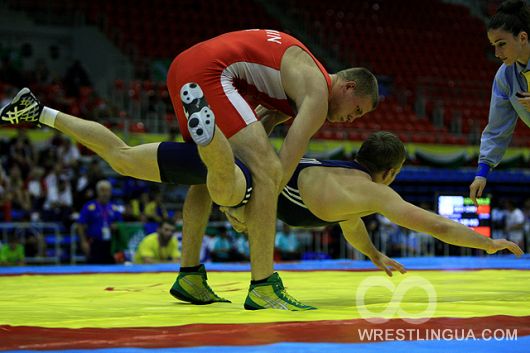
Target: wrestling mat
[(442, 304)]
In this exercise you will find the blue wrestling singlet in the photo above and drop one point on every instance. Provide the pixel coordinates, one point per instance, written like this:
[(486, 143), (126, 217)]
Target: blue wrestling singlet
[(291, 207), (180, 163)]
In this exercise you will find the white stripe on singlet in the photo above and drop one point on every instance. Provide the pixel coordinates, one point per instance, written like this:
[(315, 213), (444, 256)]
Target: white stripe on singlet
[(237, 101), (293, 192), (266, 80), (293, 197)]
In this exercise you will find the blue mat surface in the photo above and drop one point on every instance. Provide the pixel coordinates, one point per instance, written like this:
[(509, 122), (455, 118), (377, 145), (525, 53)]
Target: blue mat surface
[(521, 345), (411, 263)]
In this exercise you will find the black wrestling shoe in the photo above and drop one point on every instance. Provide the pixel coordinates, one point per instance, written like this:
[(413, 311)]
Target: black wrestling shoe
[(24, 108)]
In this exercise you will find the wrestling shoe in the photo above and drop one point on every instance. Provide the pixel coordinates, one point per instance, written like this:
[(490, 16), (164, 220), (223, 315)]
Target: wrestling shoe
[(24, 108), (201, 120), (272, 295), (192, 287)]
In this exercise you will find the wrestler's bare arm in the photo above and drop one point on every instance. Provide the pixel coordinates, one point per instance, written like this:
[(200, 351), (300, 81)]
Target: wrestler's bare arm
[(386, 201), (356, 234), (309, 119), (304, 83)]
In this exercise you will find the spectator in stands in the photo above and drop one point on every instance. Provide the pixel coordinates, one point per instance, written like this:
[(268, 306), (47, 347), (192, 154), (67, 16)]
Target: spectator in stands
[(34, 242), (221, 246), (47, 158), (18, 194), (161, 246), (86, 184), (155, 211), (177, 218), (52, 179), (56, 141), (128, 214), (498, 219), (68, 153), (59, 150), (59, 202), (397, 243), (388, 231), (96, 223), (21, 152), (514, 223), (133, 187), (526, 211), (36, 187), (5, 198), (287, 244), (12, 253), (508, 32), (139, 205), (393, 239)]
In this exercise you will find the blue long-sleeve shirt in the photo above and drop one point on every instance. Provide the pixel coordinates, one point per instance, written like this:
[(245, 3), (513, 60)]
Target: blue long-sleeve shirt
[(504, 110)]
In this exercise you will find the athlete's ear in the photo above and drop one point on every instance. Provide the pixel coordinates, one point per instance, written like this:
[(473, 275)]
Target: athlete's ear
[(351, 85), (523, 36), (387, 174)]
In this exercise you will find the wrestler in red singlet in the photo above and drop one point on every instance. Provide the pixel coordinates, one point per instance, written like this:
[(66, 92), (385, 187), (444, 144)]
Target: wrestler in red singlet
[(236, 71)]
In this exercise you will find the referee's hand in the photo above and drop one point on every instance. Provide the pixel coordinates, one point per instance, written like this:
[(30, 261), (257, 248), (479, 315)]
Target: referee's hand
[(476, 188)]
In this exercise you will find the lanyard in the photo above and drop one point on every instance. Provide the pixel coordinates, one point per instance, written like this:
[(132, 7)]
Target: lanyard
[(104, 212)]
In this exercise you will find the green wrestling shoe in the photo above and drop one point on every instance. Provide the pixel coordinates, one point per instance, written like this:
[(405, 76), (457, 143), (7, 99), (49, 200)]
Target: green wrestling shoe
[(272, 295), (192, 287)]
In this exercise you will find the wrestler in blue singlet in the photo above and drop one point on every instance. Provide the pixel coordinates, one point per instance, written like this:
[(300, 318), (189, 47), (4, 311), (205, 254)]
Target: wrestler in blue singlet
[(180, 163), (291, 207)]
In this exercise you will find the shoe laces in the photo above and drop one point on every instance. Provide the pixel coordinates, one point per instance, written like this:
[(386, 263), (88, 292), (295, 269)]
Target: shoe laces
[(287, 296), (205, 283), (207, 286)]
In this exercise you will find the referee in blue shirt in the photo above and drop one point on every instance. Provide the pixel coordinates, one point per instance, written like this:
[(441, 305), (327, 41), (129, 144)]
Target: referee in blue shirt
[(508, 32), (96, 225)]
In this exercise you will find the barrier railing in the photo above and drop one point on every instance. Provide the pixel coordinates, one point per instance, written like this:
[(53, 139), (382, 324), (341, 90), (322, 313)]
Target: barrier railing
[(46, 233)]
